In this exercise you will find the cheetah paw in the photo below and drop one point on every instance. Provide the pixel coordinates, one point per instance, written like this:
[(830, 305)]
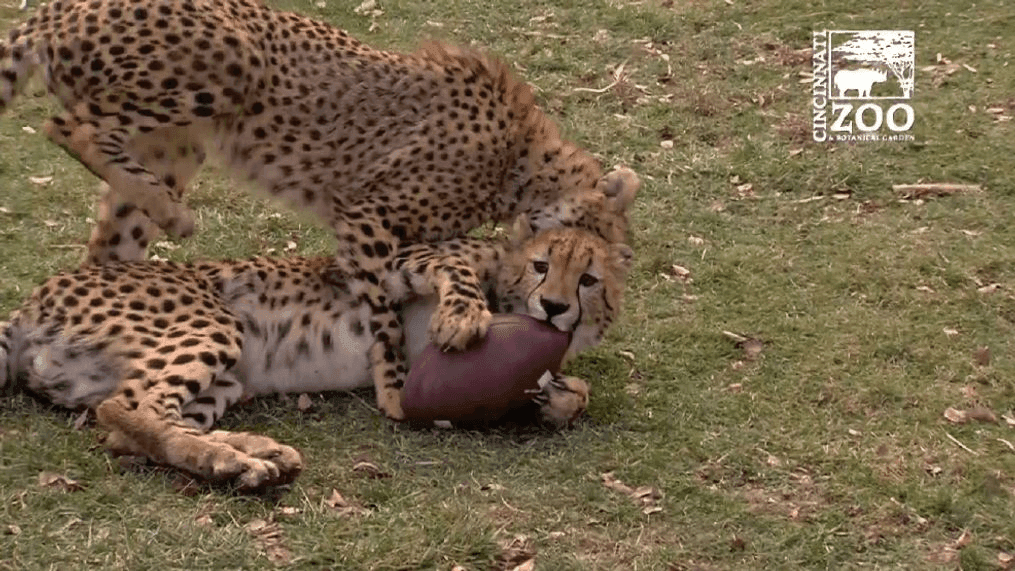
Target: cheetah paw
[(258, 461), (561, 399), (391, 404), (179, 223), (456, 325)]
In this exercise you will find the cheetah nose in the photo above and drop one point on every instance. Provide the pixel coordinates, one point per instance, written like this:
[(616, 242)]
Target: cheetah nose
[(552, 308)]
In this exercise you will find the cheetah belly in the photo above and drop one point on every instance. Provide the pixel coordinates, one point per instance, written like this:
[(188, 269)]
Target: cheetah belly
[(280, 357), (416, 324)]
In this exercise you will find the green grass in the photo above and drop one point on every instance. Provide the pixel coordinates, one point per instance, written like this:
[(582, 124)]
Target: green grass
[(829, 451)]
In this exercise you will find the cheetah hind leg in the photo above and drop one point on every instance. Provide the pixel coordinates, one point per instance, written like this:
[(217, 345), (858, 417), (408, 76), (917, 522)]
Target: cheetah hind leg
[(144, 418), (254, 462), (123, 232), (209, 406), (102, 147)]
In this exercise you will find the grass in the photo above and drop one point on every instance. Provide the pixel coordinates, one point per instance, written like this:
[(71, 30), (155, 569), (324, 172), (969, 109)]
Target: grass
[(829, 450)]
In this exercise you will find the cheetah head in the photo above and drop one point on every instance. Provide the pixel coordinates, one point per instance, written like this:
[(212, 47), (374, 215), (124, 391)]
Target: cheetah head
[(567, 277), (602, 211)]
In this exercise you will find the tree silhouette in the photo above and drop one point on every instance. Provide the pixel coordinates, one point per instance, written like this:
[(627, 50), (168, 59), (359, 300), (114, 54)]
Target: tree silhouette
[(892, 49)]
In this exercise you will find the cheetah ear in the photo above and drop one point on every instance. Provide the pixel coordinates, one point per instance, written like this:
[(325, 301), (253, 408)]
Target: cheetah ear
[(521, 230), (623, 256), (619, 186)]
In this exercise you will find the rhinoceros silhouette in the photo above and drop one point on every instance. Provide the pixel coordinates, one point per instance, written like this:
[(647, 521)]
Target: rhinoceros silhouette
[(859, 79)]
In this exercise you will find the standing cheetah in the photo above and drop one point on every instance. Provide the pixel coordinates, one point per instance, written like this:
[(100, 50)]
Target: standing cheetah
[(387, 148)]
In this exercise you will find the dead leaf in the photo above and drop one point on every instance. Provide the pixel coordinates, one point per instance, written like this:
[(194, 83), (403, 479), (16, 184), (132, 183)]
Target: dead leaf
[(989, 288), (950, 332), (964, 539), (932, 190), (59, 482), (982, 356), (667, 144), (336, 500), (956, 416), (185, 485), (1009, 420), (646, 496), (1005, 559), (752, 349), (204, 519), (303, 403), (982, 414), (289, 511), (83, 420), (680, 272), (751, 346), (370, 470), (528, 565), (40, 180), (270, 539), (517, 554), (337, 503), (12, 529)]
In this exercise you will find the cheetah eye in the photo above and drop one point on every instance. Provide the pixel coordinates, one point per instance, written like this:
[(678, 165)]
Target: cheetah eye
[(587, 280), (540, 267)]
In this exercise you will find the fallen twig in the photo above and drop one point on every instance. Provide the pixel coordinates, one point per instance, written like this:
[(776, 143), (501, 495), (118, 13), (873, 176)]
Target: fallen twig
[(961, 445)]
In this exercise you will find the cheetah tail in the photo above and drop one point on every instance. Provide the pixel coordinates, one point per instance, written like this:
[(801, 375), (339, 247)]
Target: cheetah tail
[(19, 57)]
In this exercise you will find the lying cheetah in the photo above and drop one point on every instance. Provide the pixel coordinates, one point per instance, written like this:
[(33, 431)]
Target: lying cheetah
[(388, 148), (161, 349)]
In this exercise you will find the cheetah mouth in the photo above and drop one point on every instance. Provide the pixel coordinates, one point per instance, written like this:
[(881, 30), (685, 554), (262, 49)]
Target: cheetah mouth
[(563, 326)]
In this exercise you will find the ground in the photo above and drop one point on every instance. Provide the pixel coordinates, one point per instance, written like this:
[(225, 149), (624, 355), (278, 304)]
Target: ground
[(826, 445)]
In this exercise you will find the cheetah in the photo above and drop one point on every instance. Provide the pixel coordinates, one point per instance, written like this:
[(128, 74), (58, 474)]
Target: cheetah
[(161, 349), (387, 148)]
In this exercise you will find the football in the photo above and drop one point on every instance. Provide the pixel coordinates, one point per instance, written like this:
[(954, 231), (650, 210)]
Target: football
[(488, 380)]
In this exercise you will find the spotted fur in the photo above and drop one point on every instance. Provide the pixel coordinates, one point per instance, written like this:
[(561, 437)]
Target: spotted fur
[(387, 148), (160, 350)]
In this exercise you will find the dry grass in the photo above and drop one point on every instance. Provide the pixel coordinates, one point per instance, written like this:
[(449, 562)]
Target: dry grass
[(828, 449)]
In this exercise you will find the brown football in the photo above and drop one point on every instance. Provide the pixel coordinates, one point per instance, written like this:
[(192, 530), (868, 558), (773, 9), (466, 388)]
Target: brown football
[(484, 382)]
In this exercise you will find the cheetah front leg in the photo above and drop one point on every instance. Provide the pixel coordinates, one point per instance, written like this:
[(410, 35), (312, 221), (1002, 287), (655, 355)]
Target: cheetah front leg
[(561, 399), (364, 261), (461, 317), (103, 147)]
